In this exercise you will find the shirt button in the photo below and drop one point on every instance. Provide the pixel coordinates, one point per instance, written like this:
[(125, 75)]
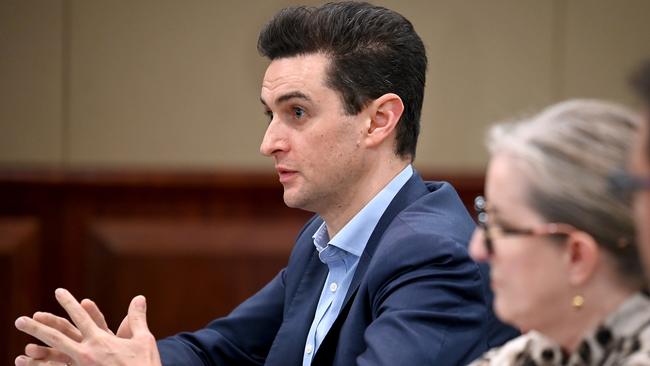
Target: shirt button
[(333, 287), (309, 349)]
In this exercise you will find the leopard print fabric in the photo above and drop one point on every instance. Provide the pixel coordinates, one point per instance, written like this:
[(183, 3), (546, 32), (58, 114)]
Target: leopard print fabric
[(623, 339)]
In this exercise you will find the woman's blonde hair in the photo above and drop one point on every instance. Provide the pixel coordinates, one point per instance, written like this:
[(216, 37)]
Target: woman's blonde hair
[(566, 153)]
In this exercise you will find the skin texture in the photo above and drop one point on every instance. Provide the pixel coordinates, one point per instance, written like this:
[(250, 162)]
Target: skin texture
[(534, 278), (89, 342), (315, 145), (525, 270), (328, 162)]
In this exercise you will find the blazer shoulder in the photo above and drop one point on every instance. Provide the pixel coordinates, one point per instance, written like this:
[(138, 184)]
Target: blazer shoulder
[(432, 231), (434, 218)]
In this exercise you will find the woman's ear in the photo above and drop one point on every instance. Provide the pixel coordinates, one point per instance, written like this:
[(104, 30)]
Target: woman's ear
[(583, 255), (385, 113)]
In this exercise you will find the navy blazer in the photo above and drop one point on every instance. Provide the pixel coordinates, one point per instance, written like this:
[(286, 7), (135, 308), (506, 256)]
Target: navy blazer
[(416, 298)]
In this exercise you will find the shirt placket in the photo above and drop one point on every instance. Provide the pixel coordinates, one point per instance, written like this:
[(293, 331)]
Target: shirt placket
[(333, 257), (337, 272)]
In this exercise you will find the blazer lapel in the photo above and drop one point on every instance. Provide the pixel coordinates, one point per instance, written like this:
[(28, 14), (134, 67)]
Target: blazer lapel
[(413, 189), (299, 314), (410, 192)]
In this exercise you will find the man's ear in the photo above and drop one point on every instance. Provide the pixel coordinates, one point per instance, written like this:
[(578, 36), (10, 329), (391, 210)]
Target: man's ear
[(582, 255), (384, 113)]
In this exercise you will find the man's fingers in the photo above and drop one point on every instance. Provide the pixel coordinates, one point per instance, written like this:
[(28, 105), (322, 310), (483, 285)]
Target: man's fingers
[(78, 314), (42, 353), (58, 323), (124, 331), (95, 314), (27, 361), (138, 316), (47, 335)]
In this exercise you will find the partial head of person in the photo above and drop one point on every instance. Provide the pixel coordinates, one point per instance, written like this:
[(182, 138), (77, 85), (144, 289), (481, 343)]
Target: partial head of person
[(637, 178), (561, 246), (343, 95)]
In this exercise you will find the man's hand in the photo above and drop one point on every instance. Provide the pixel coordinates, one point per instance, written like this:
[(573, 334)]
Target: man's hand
[(45, 354), (90, 342)]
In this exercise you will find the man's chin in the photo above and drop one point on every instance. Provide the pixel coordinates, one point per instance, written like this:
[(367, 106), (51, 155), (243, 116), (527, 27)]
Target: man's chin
[(293, 200)]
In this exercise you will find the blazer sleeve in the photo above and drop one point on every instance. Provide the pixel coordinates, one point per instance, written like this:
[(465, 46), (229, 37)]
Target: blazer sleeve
[(244, 337), (428, 302)]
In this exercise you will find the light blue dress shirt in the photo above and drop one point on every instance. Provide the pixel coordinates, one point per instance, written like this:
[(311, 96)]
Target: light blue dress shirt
[(341, 255)]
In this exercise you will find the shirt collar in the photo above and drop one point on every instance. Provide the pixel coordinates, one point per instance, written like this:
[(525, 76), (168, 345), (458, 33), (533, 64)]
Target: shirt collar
[(354, 236)]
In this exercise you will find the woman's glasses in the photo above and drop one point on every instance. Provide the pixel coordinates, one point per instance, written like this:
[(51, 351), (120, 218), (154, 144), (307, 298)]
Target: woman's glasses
[(491, 232)]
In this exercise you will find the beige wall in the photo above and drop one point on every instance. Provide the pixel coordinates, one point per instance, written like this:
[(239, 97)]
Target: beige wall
[(31, 83), (176, 83)]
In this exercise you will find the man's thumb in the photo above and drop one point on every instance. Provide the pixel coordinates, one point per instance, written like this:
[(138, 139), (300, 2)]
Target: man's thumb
[(138, 315)]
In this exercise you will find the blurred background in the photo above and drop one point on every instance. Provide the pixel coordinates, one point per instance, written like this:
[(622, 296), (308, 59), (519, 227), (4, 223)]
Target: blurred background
[(129, 135)]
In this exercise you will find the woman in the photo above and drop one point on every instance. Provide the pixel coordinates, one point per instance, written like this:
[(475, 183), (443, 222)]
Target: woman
[(564, 266)]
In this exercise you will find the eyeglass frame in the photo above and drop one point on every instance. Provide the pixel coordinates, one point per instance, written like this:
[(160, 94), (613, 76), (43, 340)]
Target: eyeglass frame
[(553, 228)]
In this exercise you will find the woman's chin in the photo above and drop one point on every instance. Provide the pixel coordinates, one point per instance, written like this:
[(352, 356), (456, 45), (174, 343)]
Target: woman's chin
[(507, 315)]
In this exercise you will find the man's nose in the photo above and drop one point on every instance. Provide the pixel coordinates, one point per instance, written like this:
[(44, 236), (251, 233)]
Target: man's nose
[(273, 141)]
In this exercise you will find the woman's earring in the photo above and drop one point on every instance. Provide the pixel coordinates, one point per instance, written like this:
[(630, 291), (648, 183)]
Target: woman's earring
[(577, 302)]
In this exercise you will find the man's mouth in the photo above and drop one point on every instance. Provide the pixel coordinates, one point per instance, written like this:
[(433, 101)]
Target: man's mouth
[(285, 174)]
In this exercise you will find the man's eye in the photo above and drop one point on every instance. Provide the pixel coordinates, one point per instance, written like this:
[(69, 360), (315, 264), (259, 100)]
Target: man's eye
[(298, 113), (269, 115)]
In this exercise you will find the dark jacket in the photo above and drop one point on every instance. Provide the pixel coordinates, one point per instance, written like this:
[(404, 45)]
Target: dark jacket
[(416, 298)]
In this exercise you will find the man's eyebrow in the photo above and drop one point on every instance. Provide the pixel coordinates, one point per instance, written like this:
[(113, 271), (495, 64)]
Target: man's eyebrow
[(291, 95)]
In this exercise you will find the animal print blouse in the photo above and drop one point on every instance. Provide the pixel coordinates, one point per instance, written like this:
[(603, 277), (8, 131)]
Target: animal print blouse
[(623, 339)]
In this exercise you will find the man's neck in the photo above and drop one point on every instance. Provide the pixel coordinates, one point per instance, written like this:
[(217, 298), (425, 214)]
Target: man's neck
[(358, 196)]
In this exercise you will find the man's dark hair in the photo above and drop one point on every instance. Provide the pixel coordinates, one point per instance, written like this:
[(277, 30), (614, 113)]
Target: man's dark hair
[(373, 51), (641, 82)]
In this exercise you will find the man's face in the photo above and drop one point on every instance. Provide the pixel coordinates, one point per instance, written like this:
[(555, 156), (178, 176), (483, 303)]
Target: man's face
[(640, 166), (316, 146)]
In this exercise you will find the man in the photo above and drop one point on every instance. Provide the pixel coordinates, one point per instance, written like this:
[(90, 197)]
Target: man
[(381, 274), (640, 167)]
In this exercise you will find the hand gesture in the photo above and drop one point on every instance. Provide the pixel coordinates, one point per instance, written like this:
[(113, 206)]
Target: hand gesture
[(90, 342)]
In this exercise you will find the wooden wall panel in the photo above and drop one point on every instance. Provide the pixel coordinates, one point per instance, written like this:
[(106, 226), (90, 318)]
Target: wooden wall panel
[(67, 201), (19, 267), (191, 271)]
